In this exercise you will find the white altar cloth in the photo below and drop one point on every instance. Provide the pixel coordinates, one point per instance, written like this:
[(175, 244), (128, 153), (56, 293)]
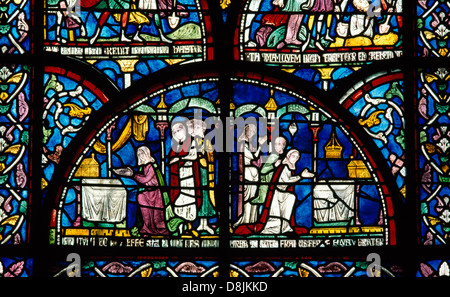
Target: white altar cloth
[(334, 202), (103, 200)]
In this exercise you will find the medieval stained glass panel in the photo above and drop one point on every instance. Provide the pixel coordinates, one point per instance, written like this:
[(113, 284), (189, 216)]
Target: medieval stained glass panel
[(108, 122), (135, 181), (317, 187)]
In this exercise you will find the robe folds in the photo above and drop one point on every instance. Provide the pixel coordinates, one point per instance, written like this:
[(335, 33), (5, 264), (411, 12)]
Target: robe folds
[(263, 219), (150, 200)]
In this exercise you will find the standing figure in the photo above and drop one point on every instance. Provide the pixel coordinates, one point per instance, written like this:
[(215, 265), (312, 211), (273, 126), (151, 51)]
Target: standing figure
[(124, 17), (106, 6), (323, 8), (196, 129), (251, 175), (269, 168), (150, 197), (185, 180), (72, 20), (253, 8), (277, 217), (363, 24), (294, 8)]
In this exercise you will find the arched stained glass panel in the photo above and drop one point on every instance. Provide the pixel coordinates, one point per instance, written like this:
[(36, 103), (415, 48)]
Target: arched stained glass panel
[(202, 138), (302, 177), (135, 181)]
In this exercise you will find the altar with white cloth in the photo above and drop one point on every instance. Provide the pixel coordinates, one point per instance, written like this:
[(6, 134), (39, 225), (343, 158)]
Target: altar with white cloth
[(334, 202), (103, 200)]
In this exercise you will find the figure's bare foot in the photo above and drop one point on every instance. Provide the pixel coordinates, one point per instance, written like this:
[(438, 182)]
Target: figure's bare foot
[(124, 38), (293, 41), (319, 46), (329, 38), (137, 38), (94, 38)]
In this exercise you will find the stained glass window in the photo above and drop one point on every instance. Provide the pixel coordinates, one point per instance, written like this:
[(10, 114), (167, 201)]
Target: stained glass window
[(226, 139)]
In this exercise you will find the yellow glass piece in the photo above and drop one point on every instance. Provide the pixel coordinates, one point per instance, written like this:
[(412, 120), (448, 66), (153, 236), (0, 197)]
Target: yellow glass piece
[(147, 272), (372, 120), (11, 220), (303, 272), (357, 169), (386, 39), (89, 168), (77, 232), (358, 41), (333, 149), (78, 112), (161, 104), (271, 105)]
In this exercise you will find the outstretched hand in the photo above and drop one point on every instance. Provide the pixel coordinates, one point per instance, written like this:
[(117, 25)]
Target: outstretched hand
[(123, 171), (307, 174)]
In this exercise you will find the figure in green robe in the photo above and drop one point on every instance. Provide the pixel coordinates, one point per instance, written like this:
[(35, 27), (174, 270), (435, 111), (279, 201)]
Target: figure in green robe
[(268, 169)]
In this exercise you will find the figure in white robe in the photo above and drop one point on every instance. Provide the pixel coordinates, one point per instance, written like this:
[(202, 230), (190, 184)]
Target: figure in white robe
[(251, 176), (184, 177), (362, 24), (280, 219)]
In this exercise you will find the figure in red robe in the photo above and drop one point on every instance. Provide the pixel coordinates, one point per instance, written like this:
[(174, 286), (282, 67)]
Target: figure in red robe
[(277, 216), (185, 178)]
